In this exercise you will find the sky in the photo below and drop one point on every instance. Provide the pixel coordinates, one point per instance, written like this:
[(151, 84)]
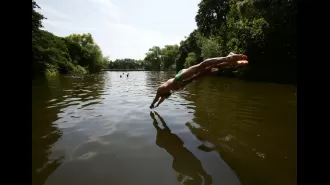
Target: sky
[(122, 28)]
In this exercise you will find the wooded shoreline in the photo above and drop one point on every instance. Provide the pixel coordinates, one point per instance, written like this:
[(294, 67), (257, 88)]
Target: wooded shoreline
[(265, 31), (134, 70)]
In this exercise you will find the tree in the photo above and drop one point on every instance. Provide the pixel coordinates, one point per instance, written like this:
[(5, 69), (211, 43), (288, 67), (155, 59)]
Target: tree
[(187, 46), (77, 53), (264, 30), (190, 60), (209, 47), (36, 18), (169, 55), (85, 52), (84, 40), (127, 63), (211, 15), (153, 57)]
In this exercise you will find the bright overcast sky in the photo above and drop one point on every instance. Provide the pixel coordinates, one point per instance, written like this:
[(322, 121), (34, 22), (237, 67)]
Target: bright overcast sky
[(122, 28)]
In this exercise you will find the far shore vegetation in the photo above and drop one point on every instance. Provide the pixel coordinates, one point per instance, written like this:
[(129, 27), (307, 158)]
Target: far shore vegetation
[(263, 30)]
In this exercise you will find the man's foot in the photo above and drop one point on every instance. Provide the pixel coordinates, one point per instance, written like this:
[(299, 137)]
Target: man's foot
[(231, 53), (241, 63), (238, 60), (237, 64)]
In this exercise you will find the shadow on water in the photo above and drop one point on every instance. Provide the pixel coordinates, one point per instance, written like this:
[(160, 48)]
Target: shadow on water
[(184, 162)]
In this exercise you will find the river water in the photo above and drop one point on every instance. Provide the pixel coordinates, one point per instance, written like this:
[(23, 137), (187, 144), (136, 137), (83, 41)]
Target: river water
[(99, 130)]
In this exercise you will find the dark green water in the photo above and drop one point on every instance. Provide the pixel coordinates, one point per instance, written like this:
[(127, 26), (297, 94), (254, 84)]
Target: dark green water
[(97, 130)]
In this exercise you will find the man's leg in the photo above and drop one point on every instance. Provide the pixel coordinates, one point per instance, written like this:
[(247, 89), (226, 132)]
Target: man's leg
[(208, 70), (193, 71)]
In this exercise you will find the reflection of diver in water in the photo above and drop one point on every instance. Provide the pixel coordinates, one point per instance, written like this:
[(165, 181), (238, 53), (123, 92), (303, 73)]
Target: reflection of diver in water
[(184, 162)]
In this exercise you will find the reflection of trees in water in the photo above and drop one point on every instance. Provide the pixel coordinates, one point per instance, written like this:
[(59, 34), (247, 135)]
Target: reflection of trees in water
[(184, 162), (50, 97), (232, 115), (75, 90), (44, 133), (89, 87), (156, 78)]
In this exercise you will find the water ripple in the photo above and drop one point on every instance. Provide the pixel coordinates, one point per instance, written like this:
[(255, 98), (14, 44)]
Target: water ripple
[(219, 127)]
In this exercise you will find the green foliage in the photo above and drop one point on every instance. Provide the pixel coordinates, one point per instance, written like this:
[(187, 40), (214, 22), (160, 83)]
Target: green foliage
[(50, 51), (85, 52), (211, 16), (156, 59), (189, 45), (153, 58), (127, 63), (190, 60), (36, 18), (83, 40), (51, 70), (80, 70), (169, 55), (51, 54), (209, 46), (264, 30)]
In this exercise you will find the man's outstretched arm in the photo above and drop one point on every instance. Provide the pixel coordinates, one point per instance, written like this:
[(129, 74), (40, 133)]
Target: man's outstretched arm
[(154, 101), (160, 101)]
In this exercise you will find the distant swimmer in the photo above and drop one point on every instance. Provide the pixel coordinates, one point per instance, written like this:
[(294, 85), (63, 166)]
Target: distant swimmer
[(120, 76), (186, 76), (127, 74)]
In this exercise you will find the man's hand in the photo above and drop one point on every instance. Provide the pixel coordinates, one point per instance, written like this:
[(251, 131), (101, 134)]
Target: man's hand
[(155, 100)]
